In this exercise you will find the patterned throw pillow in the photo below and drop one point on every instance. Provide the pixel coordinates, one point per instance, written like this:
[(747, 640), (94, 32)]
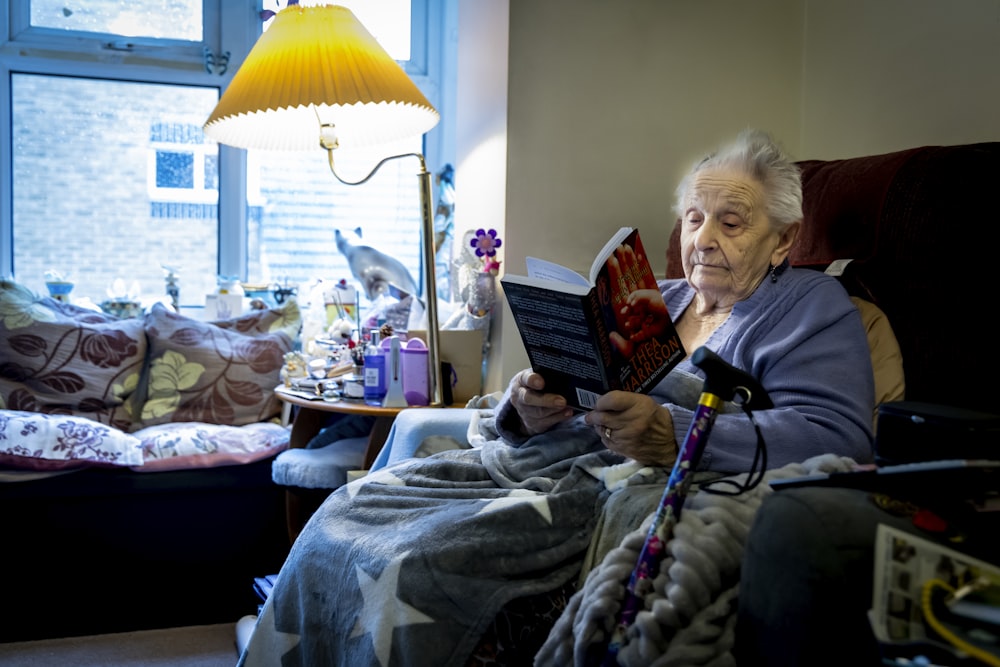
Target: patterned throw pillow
[(214, 372), (56, 358), (33, 441), (182, 445)]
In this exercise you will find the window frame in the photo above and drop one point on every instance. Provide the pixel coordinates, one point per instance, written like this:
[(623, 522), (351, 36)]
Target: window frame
[(228, 29), (82, 44)]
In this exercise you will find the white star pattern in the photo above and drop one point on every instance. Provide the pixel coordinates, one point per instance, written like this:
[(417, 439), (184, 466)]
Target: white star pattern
[(619, 475), (378, 477), (519, 496), (383, 611), (268, 651)]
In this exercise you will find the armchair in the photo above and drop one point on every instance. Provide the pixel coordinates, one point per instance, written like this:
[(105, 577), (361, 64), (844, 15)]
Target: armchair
[(922, 230)]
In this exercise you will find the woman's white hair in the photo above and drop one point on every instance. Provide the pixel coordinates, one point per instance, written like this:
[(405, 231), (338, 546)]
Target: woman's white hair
[(755, 154)]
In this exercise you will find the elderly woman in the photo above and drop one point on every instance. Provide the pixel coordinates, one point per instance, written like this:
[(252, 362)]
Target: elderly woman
[(796, 331), (411, 564)]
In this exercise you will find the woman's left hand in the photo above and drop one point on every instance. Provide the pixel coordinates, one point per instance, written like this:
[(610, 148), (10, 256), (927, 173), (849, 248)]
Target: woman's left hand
[(635, 426)]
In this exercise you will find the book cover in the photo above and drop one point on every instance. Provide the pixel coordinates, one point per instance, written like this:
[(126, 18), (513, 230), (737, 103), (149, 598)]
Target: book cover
[(588, 336)]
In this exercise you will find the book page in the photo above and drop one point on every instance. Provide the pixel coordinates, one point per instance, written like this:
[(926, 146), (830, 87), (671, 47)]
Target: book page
[(540, 268)]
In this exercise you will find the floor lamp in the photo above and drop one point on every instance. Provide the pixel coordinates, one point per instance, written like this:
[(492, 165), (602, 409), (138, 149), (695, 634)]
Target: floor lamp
[(318, 79)]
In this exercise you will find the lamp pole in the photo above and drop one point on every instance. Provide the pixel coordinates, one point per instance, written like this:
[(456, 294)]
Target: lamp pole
[(430, 287)]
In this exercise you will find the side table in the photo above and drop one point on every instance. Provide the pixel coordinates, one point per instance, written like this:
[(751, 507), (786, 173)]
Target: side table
[(308, 418)]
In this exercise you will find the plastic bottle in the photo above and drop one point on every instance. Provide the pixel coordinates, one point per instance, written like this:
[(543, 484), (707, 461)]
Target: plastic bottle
[(393, 375), (415, 376), (374, 371)]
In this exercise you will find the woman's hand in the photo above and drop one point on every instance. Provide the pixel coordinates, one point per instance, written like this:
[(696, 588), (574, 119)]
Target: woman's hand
[(636, 426), (538, 411)]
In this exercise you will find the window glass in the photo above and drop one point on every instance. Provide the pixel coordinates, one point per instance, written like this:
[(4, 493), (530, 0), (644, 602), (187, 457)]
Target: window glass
[(174, 170), (164, 19), (85, 153)]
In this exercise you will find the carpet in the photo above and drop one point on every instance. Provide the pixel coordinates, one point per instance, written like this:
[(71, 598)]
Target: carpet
[(193, 646)]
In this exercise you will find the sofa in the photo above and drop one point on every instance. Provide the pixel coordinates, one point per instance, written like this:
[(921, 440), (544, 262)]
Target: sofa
[(135, 465)]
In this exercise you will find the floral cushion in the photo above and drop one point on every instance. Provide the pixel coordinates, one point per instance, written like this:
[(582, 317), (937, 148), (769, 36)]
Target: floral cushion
[(217, 373), (56, 358), (33, 441), (180, 445)]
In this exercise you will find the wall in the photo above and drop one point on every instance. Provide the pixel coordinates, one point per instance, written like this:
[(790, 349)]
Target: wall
[(481, 138), (893, 74)]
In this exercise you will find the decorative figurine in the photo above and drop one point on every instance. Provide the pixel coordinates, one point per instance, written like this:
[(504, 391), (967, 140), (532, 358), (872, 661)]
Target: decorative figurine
[(59, 287), (173, 289)]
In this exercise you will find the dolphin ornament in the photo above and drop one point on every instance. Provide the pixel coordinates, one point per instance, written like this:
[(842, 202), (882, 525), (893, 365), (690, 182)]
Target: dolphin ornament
[(377, 272)]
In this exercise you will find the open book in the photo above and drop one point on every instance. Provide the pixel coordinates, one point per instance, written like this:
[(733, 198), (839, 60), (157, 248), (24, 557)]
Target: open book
[(589, 336)]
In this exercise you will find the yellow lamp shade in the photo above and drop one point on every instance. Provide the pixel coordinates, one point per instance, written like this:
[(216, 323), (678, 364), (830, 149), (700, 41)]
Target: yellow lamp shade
[(318, 65)]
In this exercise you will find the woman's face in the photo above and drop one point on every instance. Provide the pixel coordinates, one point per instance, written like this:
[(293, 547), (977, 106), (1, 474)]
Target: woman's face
[(727, 242)]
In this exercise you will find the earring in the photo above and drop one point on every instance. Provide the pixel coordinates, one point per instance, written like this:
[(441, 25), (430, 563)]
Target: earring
[(777, 270)]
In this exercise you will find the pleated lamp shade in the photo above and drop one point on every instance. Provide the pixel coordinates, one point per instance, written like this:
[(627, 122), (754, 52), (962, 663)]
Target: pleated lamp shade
[(318, 64)]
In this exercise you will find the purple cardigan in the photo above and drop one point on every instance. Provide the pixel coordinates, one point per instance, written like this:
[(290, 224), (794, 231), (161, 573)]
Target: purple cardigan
[(802, 338)]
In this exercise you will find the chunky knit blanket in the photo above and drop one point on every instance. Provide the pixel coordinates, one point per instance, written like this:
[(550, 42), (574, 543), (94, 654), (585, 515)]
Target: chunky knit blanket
[(689, 616)]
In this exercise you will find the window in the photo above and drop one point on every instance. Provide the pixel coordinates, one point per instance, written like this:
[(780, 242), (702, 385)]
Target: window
[(107, 173), (183, 166)]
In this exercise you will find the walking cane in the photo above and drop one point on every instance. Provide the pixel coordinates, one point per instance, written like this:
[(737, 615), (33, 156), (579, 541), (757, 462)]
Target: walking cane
[(722, 383)]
